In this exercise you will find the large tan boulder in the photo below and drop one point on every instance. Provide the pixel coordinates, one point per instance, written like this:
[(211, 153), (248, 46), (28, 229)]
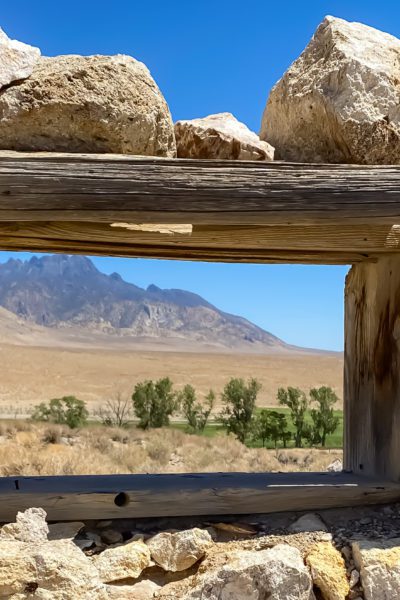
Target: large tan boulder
[(87, 104), (220, 136), (339, 101), (16, 59)]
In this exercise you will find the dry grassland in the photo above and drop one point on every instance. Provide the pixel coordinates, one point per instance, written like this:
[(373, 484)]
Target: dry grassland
[(28, 448)]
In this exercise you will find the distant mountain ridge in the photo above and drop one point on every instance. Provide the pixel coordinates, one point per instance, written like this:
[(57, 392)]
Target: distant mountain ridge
[(60, 291)]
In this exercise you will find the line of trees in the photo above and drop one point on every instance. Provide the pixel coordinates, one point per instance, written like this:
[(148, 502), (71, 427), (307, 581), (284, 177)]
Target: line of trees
[(154, 402)]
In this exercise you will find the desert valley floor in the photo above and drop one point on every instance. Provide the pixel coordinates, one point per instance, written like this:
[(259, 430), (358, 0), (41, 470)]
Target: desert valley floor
[(31, 374)]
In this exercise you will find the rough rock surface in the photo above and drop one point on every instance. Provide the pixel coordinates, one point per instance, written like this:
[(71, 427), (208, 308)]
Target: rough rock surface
[(30, 527), (179, 551), (328, 571), (308, 522), (277, 573), (87, 104), (339, 101), (220, 136), (121, 562), (379, 564), (56, 570), (16, 59), (143, 590)]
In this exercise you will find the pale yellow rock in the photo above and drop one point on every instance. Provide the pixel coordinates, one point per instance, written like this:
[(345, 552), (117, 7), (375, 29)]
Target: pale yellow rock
[(328, 571), (17, 568), (87, 104), (179, 551), (339, 101), (128, 560), (220, 136)]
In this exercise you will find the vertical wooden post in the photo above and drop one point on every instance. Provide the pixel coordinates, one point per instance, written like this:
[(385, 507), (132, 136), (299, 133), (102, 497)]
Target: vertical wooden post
[(372, 368)]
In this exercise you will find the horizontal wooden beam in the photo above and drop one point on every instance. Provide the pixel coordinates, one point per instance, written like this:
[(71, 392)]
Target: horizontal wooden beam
[(238, 243), (134, 496), (74, 187)]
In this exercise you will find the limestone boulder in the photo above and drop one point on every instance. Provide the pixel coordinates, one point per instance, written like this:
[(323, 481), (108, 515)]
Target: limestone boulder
[(339, 101), (122, 562), (379, 564), (180, 550), (328, 571), (142, 590), (277, 574), (220, 136), (30, 526), (17, 59), (92, 104)]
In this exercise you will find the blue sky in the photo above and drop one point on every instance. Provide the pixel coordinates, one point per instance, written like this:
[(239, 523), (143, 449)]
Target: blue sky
[(210, 57)]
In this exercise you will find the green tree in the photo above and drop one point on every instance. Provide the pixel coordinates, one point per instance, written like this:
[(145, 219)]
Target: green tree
[(271, 425), (195, 413), (295, 399), (324, 420), (67, 410), (239, 401), (154, 402)]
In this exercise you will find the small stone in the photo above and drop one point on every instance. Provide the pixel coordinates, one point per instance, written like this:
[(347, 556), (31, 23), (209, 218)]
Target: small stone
[(220, 136), (308, 522), (103, 524), (65, 531), (328, 571), (30, 526), (122, 562), (335, 467), (17, 59), (354, 578), (143, 590), (179, 551), (110, 536)]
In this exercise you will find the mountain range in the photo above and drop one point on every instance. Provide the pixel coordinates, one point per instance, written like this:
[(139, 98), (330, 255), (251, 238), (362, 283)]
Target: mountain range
[(68, 294)]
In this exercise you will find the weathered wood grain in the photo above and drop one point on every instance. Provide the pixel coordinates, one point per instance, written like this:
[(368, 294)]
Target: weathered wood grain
[(134, 496), (141, 189), (372, 369)]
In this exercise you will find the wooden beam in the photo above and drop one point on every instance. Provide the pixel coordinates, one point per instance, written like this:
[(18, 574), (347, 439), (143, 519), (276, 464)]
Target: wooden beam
[(372, 369), (240, 243), (57, 187), (134, 496)]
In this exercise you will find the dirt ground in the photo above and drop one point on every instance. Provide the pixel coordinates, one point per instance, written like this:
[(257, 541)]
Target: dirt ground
[(29, 375)]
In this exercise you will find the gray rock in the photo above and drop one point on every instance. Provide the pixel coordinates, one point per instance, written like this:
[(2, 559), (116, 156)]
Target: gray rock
[(65, 531), (87, 104), (308, 522), (277, 574), (378, 562), (339, 101), (220, 136), (17, 60), (110, 536)]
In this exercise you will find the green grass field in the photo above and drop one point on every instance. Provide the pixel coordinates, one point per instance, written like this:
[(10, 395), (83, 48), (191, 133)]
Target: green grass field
[(213, 428)]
